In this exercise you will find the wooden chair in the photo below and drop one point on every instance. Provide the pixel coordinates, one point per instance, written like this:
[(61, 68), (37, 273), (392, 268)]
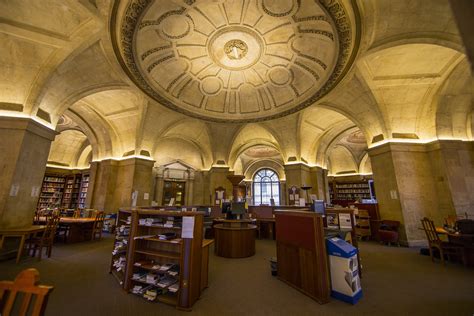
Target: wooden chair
[(98, 225), (435, 242), (26, 283), (46, 240)]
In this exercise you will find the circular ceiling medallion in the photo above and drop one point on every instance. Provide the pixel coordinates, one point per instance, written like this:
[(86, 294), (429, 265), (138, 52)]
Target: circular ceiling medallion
[(279, 75), (175, 26), (211, 85), (235, 48), (235, 60), (280, 8)]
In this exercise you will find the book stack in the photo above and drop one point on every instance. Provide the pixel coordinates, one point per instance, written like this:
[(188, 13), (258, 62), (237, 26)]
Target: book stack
[(150, 221), (174, 270), (167, 236), (152, 278), (119, 264), (174, 288), (166, 266), (120, 246), (166, 281), (123, 231), (169, 221)]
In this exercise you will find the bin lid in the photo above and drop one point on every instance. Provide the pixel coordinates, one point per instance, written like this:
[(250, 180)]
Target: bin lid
[(340, 248)]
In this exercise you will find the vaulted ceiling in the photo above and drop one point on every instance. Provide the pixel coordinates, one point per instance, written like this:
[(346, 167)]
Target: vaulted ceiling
[(215, 80)]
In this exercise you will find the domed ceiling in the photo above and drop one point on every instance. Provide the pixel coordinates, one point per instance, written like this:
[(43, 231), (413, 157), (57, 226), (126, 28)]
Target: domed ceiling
[(235, 60)]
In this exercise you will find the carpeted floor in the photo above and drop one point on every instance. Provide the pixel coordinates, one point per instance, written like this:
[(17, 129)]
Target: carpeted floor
[(397, 281)]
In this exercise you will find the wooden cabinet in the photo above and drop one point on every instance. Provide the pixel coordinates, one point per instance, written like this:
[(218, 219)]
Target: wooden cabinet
[(163, 264), (301, 253)]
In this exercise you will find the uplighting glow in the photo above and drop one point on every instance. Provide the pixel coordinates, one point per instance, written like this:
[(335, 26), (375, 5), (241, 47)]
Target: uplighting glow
[(4, 113), (66, 168), (124, 158), (350, 174)]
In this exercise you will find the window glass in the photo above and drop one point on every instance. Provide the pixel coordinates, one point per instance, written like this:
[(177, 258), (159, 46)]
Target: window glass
[(266, 186)]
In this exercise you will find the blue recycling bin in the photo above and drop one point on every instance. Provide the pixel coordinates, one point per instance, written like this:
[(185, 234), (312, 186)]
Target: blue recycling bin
[(344, 267)]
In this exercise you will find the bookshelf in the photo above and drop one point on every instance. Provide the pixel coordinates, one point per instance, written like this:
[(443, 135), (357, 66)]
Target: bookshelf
[(344, 192), (83, 191), (162, 264), (121, 243), (52, 191), (71, 191)]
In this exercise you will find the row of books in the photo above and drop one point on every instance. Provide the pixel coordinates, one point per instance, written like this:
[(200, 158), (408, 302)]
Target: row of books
[(163, 236), (168, 222), (150, 293), (119, 263), (170, 268)]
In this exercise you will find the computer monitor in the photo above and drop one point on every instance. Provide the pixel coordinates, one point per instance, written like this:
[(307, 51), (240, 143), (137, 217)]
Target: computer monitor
[(225, 207), (237, 208), (318, 206)]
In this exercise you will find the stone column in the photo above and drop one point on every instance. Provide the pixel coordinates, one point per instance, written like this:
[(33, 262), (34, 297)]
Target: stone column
[(218, 178), (116, 180), (319, 183), (417, 180), (297, 175), (24, 151)]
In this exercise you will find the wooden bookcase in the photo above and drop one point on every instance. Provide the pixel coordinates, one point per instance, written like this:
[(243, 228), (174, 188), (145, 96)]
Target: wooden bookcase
[(121, 245), (71, 191), (147, 253), (52, 191), (83, 191), (301, 253)]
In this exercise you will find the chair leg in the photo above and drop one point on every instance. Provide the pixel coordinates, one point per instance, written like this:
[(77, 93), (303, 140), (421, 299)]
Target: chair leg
[(40, 252), (431, 254), (441, 254), (50, 248)]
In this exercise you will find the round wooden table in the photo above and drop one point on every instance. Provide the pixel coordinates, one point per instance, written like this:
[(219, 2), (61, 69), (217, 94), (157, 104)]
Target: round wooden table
[(235, 242)]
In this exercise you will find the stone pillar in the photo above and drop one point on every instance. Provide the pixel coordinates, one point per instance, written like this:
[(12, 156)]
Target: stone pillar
[(218, 178), (297, 175), (319, 183), (24, 150), (453, 171), (116, 180), (417, 180)]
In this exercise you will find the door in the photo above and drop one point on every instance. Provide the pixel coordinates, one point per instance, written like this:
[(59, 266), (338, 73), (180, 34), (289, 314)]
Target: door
[(173, 189)]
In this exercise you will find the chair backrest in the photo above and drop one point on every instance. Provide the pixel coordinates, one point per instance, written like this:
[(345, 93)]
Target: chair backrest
[(51, 225), (26, 283), (99, 220), (430, 230)]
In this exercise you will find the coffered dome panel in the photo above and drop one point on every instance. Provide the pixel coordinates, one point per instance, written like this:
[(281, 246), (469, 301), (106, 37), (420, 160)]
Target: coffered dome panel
[(239, 60)]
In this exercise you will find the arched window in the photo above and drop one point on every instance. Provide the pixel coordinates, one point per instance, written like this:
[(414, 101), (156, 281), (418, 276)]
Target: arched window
[(266, 186)]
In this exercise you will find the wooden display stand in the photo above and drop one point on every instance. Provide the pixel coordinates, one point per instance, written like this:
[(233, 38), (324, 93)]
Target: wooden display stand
[(121, 242), (235, 238), (145, 253), (301, 253)]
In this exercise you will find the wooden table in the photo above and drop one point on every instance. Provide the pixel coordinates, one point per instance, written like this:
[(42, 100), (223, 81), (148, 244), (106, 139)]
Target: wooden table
[(464, 240), (77, 227), (235, 241), (23, 233)]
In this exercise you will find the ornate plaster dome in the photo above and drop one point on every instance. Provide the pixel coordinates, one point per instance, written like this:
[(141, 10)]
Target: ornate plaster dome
[(235, 60)]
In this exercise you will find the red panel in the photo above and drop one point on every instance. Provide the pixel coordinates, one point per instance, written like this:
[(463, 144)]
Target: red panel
[(295, 230)]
